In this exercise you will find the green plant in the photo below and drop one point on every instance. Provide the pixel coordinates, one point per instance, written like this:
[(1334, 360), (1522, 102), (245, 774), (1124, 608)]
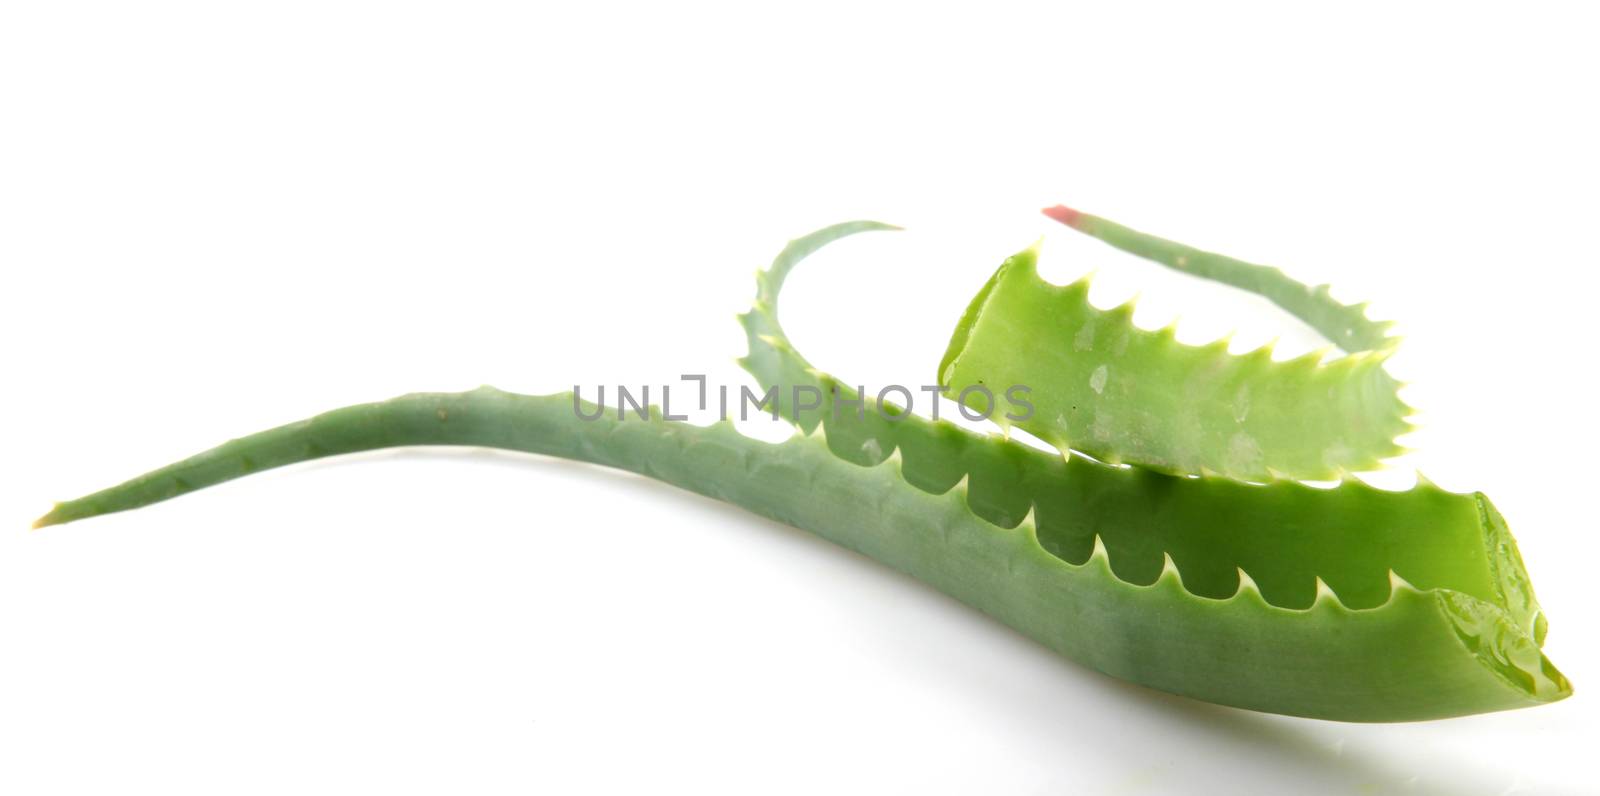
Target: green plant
[(1107, 388), (1349, 603)]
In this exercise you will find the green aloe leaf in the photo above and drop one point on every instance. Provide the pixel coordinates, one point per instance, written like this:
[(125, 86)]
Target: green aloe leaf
[(1244, 564), (1349, 603), (1101, 385)]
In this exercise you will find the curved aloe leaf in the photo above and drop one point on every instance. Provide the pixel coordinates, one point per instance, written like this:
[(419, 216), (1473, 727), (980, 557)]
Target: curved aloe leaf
[(1293, 546), (1422, 653), (1347, 325), (1100, 385), (1359, 604)]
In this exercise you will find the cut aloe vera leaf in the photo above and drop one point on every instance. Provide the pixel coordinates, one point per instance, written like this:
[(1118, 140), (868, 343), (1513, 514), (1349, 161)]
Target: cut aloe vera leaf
[(1348, 603), (1421, 653), (1041, 357)]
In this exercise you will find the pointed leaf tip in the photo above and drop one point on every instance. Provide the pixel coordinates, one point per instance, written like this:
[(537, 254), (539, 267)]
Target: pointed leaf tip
[(47, 520), (1064, 214)]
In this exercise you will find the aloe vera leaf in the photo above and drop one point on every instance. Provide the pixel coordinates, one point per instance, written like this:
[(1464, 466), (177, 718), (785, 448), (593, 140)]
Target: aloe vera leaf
[(1462, 636), (1101, 385), (1350, 536), (1346, 325), (1421, 654), (1295, 546)]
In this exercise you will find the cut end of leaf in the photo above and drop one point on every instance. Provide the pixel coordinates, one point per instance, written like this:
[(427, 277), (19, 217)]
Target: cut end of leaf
[(1504, 649)]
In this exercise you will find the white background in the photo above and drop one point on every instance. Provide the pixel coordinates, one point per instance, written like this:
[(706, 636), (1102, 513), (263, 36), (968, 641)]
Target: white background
[(215, 218)]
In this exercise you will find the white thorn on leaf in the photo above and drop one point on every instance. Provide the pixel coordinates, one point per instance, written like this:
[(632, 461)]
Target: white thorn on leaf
[(895, 459), (1396, 583), (1324, 592), (1246, 583), (1099, 551), (1168, 567)]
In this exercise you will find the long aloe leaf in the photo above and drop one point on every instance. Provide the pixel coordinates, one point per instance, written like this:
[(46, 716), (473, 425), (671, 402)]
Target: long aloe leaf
[(1294, 545), (1422, 653), (1349, 603)]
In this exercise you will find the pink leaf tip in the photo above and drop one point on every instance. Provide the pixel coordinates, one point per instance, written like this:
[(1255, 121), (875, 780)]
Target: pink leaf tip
[(1064, 214)]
